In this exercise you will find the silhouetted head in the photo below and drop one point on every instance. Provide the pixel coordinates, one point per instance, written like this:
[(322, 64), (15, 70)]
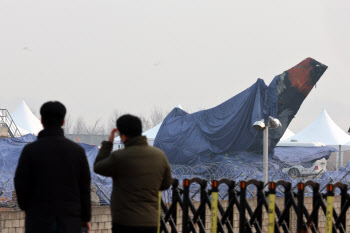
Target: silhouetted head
[(52, 114), (129, 126)]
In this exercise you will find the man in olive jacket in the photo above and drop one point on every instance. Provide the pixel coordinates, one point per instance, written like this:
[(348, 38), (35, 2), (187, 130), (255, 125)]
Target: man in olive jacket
[(52, 179), (139, 172)]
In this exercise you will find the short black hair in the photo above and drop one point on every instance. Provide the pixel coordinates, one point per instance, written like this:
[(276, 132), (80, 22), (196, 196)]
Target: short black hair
[(129, 125), (52, 114)]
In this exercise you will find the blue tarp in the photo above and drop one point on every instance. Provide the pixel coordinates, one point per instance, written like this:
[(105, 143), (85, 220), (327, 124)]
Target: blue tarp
[(242, 166), (197, 138), (10, 150), (102, 184)]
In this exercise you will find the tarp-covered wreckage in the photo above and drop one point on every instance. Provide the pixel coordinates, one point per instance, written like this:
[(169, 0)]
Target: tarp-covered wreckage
[(225, 133)]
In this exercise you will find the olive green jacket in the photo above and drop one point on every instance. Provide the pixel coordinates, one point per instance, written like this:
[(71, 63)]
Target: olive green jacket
[(139, 172)]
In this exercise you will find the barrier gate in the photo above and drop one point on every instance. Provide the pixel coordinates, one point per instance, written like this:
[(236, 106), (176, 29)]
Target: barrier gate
[(251, 218)]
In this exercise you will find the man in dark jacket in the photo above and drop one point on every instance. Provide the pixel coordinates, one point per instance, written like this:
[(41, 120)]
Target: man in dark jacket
[(139, 172), (52, 179)]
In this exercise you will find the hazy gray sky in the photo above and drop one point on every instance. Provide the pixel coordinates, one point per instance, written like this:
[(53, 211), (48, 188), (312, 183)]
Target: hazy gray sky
[(96, 56)]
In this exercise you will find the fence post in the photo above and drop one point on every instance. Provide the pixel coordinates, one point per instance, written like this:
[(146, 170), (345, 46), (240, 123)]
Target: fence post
[(186, 200), (300, 220), (175, 195), (260, 197), (242, 217), (231, 216), (214, 207), (315, 197), (271, 207), (202, 202), (287, 197), (329, 208), (343, 202)]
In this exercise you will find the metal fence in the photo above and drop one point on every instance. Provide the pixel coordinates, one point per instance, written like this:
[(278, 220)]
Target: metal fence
[(251, 216)]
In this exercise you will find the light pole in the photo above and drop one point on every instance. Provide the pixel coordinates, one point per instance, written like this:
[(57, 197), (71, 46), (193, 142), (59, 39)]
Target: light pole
[(273, 123)]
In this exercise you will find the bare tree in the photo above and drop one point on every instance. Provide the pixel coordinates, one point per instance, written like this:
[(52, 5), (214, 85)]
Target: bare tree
[(157, 116), (116, 114), (96, 128), (80, 126), (111, 124), (146, 124), (67, 124)]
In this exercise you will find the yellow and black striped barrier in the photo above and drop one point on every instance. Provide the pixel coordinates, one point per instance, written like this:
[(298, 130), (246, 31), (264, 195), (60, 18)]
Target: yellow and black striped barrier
[(271, 207), (214, 207), (329, 208)]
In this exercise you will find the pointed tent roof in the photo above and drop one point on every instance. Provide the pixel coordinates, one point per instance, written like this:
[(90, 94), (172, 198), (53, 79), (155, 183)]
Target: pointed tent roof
[(324, 130), (25, 119), (152, 133), (287, 134)]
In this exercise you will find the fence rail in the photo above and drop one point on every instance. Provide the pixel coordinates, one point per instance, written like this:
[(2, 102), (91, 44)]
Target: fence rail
[(194, 217)]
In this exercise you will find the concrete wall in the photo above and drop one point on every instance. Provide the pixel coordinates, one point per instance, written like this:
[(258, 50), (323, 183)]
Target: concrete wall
[(13, 221), (88, 139)]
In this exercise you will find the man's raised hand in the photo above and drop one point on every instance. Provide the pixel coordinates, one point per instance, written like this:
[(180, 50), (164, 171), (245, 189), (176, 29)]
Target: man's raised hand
[(112, 135)]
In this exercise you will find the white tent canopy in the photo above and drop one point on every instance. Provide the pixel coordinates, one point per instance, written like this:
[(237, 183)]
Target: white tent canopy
[(23, 131), (287, 134), (286, 141), (324, 130), (152, 133), (25, 120)]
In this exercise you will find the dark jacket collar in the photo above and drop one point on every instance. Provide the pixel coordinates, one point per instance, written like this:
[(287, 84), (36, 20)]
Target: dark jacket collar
[(136, 141), (55, 131)]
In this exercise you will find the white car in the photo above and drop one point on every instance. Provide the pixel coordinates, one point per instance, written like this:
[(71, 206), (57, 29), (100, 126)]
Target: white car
[(319, 167)]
